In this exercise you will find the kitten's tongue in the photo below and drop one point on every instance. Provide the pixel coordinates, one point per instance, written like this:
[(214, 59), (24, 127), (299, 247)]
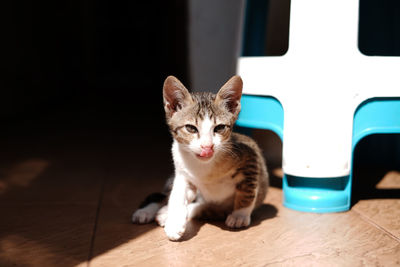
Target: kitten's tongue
[(206, 152)]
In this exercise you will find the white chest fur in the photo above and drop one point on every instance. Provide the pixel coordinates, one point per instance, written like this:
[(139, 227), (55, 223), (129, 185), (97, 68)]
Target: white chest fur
[(216, 192), (213, 187)]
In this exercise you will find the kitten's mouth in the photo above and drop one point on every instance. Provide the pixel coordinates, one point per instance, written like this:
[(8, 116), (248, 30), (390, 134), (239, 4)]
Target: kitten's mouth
[(205, 154), (205, 158)]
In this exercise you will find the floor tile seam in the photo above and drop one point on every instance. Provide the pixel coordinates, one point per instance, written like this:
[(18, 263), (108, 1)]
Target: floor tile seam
[(96, 222), (376, 225), (289, 258)]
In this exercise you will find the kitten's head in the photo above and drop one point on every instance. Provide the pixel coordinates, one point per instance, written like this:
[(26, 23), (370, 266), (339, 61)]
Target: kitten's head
[(202, 122)]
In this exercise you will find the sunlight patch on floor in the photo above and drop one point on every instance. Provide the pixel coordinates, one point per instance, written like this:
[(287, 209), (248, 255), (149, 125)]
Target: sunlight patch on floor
[(22, 174), (390, 181)]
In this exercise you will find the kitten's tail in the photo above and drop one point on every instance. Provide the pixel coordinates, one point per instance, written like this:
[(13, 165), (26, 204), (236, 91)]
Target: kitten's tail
[(150, 207)]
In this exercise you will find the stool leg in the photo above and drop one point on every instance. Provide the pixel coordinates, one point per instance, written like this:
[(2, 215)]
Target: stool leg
[(319, 195)]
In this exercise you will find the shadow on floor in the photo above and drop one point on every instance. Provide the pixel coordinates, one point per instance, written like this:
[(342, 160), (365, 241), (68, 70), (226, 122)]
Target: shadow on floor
[(60, 186), (262, 213), (50, 191), (366, 184), (376, 168)]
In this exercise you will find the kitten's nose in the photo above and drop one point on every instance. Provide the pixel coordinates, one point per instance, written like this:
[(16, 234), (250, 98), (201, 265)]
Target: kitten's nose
[(206, 151), (207, 147)]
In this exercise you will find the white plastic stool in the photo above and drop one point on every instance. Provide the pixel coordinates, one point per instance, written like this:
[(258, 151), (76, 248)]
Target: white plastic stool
[(319, 83)]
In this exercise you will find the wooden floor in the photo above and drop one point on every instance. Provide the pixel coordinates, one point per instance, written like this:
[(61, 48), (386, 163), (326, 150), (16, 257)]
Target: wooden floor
[(67, 195)]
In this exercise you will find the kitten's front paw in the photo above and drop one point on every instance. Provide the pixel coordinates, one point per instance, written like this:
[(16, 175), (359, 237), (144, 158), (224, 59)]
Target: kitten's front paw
[(142, 216), (236, 220), (175, 229)]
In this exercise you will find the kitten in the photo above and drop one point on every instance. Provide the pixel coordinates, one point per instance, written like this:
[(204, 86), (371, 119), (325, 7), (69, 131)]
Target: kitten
[(218, 173)]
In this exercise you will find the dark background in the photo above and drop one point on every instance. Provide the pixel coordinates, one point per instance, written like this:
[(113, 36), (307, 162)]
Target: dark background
[(113, 55), (102, 63), (109, 57)]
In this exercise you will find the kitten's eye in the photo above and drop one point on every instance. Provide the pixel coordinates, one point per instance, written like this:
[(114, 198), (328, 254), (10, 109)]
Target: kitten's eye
[(219, 128), (191, 128)]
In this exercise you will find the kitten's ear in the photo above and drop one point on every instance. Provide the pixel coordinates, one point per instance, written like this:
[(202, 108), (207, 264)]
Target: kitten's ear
[(175, 94), (230, 94)]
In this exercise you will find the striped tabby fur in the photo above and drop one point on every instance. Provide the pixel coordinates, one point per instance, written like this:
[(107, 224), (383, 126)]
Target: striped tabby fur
[(218, 173)]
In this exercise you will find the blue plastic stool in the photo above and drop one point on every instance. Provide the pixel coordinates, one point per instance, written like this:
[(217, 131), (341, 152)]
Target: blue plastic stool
[(373, 116)]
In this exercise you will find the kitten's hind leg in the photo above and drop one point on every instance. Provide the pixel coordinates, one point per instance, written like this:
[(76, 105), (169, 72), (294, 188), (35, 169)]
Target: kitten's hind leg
[(149, 208), (245, 198), (239, 218), (146, 214)]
